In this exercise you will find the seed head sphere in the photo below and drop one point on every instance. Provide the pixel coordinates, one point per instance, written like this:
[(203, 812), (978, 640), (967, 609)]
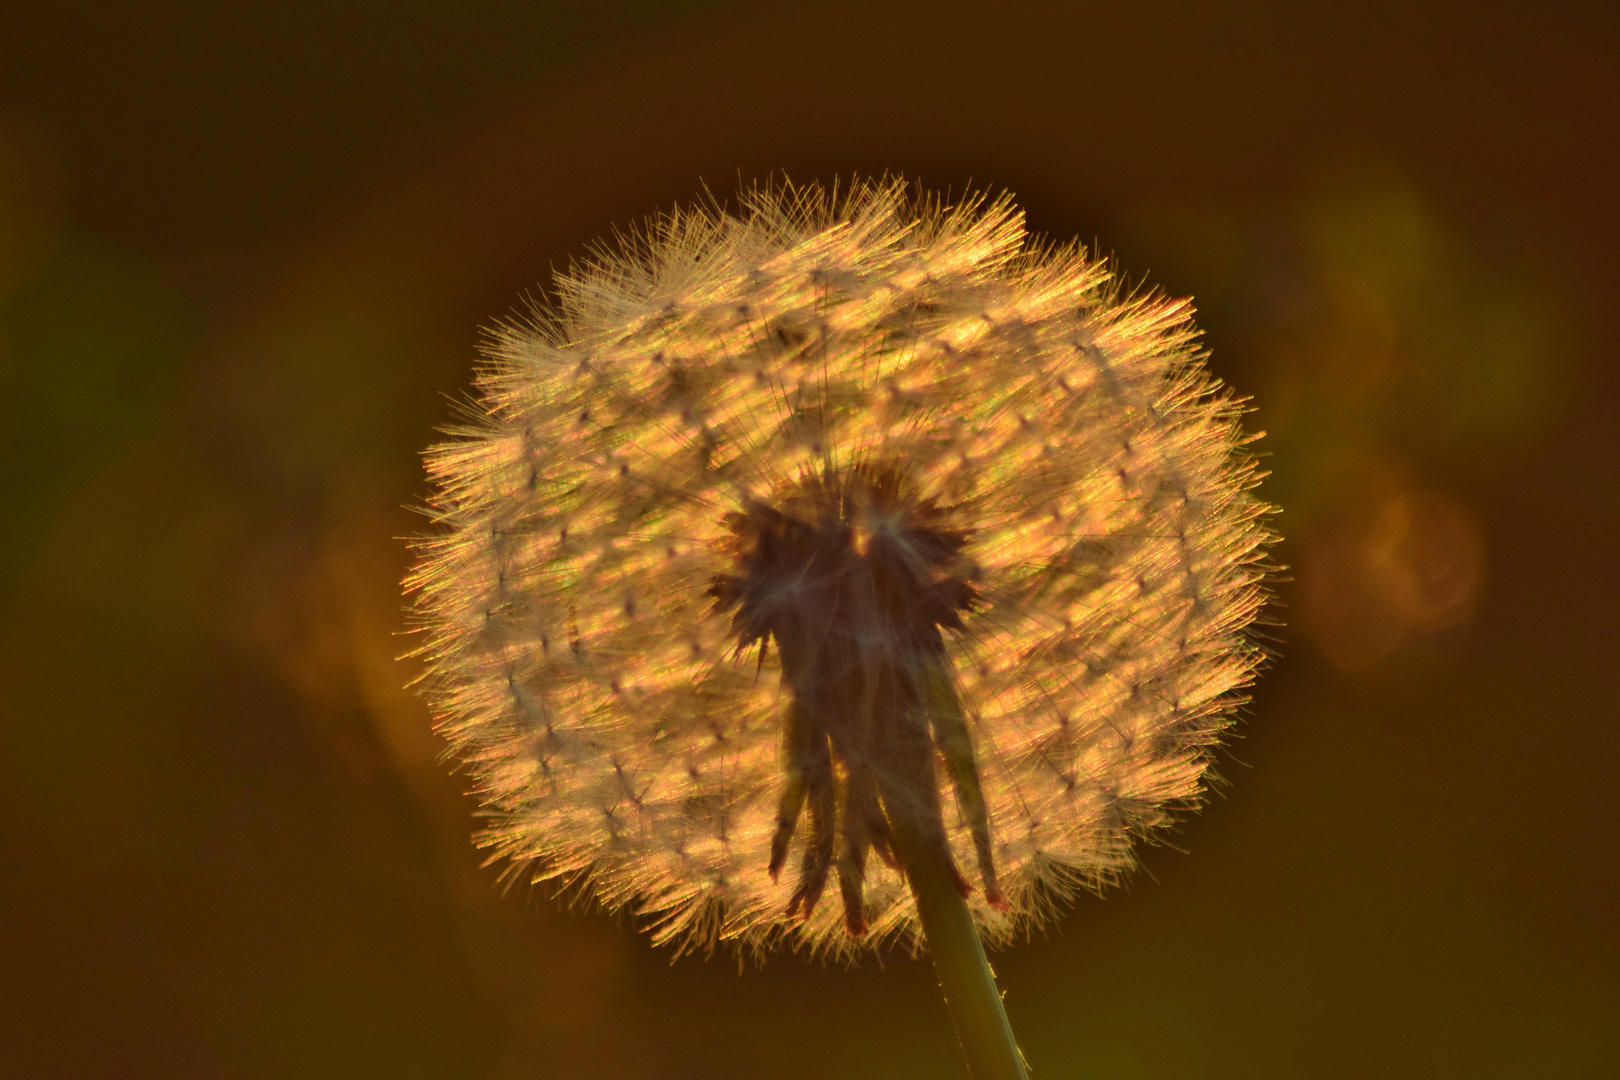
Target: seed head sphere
[(842, 511)]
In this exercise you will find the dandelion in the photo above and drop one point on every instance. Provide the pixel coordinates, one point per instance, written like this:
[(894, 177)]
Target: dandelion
[(848, 537)]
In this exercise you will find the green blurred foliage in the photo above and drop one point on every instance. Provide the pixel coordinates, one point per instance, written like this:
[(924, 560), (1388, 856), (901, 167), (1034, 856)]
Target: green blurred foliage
[(1367, 324)]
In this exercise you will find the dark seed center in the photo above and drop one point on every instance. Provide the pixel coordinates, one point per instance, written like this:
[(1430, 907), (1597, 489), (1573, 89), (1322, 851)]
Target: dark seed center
[(852, 577)]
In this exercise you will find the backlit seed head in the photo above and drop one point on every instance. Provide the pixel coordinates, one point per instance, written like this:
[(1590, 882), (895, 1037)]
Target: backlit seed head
[(843, 512)]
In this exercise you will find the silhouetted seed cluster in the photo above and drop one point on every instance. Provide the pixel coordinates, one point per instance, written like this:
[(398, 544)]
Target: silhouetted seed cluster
[(784, 511), (852, 580)]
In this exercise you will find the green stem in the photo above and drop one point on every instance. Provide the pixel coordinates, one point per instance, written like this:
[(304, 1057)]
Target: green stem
[(965, 977)]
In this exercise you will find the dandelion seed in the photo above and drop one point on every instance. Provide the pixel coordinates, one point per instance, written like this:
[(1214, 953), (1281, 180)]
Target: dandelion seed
[(875, 529)]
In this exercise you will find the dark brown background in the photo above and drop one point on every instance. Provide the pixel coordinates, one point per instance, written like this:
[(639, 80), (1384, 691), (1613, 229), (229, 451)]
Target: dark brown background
[(243, 260)]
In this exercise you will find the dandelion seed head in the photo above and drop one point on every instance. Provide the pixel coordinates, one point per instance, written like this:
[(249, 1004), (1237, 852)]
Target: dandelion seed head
[(773, 495)]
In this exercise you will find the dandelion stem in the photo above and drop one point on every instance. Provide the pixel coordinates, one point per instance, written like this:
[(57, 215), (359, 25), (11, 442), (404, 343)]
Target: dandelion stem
[(965, 977)]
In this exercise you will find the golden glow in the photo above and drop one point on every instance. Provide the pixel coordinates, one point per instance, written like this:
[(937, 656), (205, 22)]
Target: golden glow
[(578, 666)]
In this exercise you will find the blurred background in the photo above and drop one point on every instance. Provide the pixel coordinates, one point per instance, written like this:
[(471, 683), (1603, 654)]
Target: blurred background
[(245, 253)]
